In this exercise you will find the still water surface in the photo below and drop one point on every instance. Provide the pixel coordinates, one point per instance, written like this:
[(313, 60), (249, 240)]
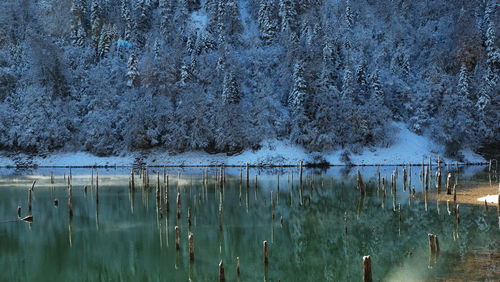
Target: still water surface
[(125, 237)]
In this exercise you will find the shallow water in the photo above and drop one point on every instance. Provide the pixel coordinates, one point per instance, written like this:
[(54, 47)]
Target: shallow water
[(124, 237)]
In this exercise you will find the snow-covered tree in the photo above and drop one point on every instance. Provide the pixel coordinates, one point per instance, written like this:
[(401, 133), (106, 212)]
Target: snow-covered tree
[(95, 22), (288, 15), (348, 14), (297, 100), (492, 50), (297, 96), (378, 96), (133, 71), (230, 90), (268, 25), (125, 14)]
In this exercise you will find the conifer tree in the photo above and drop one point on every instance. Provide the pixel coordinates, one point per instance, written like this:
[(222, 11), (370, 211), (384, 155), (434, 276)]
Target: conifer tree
[(297, 97), (348, 14), (492, 50), (95, 22), (125, 13), (230, 91), (288, 15), (267, 24), (297, 107), (133, 72)]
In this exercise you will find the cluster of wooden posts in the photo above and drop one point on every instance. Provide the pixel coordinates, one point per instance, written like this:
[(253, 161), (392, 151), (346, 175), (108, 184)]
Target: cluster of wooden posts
[(162, 192)]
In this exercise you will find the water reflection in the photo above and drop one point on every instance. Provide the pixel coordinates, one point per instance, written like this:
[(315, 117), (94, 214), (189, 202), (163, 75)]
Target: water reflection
[(322, 236)]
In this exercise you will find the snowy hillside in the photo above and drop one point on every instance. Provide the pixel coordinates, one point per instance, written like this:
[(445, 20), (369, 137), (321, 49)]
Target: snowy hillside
[(263, 81)]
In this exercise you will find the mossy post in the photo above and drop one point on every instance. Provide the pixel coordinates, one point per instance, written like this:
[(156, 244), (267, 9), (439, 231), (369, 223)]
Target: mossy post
[(367, 269)]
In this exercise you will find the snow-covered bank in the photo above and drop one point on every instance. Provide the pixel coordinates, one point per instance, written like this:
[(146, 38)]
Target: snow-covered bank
[(407, 147)]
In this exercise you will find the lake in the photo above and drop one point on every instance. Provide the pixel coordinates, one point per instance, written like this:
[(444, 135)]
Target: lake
[(128, 235)]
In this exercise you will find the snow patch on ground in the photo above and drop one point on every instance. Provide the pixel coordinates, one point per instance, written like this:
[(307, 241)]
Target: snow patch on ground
[(407, 147), (489, 199)]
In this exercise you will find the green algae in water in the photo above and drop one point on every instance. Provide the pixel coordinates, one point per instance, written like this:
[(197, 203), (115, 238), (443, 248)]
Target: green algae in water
[(126, 237)]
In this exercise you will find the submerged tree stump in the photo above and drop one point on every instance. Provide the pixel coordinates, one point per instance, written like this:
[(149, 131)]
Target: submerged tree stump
[(266, 253), (361, 186), (222, 277), (191, 247), (448, 184), (367, 269)]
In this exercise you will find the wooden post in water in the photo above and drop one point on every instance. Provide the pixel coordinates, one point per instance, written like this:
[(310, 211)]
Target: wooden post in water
[(361, 186), (158, 186), (191, 247), (97, 188), (432, 244), (458, 214), (167, 204), (238, 266), (485, 206), (278, 192), (70, 203), (56, 202), (132, 184), (220, 217), (448, 184), (345, 220), (266, 253), (29, 200), (378, 176), (222, 277), (178, 205), (367, 269), (438, 180), (177, 237), (272, 205), (248, 176), (301, 172), (18, 211), (409, 174), (189, 217)]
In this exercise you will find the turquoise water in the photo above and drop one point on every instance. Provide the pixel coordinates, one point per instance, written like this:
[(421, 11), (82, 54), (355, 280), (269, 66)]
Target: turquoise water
[(126, 238)]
